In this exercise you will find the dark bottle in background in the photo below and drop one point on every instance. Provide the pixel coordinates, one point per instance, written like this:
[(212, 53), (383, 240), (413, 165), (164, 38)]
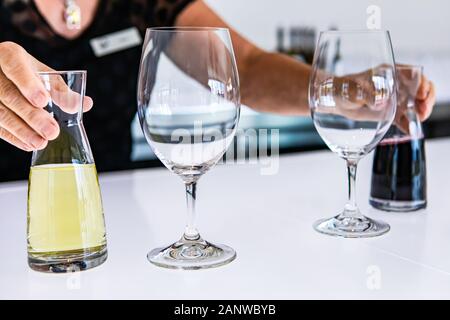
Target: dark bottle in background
[(297, 41), (399, 178), (280, 40)]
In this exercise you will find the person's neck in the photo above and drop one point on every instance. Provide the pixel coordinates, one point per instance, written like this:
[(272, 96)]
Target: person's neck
[(53, 12)]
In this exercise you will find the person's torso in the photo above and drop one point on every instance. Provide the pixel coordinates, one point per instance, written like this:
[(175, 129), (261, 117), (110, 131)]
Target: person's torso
[(111, 80)]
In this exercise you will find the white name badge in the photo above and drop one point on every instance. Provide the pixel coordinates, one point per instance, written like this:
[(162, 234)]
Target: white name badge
[(116, 41)]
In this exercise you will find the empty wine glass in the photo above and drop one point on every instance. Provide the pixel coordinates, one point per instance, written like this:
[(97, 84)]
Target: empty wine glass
[(188, 106), (353, 102)]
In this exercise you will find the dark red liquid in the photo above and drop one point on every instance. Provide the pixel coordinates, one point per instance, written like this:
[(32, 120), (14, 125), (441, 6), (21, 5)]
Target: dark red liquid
[(399, 171)]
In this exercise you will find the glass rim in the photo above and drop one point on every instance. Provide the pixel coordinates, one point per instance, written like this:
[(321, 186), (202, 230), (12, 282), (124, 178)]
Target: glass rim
[(186, 29), (354, 31), (61, 72)]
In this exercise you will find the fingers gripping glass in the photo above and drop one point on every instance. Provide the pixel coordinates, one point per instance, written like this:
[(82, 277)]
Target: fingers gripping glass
[(188, 102), (353, 102)]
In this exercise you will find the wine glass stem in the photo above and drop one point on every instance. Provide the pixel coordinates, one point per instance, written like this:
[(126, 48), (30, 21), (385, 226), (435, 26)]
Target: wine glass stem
[(191, 232), (351, 208)]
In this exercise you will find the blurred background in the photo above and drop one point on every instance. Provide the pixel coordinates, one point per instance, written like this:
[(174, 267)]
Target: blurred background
[(419, 29)]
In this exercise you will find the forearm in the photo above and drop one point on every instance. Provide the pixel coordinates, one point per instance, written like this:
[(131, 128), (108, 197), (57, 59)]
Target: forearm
[(273, 82), (269, 82)]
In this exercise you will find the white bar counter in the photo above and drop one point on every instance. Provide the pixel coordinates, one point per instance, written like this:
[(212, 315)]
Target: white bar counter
[(266, 218)]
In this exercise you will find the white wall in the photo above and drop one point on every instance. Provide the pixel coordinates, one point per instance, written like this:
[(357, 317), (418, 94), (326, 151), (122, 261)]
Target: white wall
[(420, 29), (415, 24)]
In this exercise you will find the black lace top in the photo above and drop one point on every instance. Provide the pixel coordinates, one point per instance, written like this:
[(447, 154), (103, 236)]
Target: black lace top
[(111, 80)]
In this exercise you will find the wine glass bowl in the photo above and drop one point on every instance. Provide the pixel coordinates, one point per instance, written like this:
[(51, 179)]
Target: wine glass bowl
[(352, 113), (353, 102), (188, 107)]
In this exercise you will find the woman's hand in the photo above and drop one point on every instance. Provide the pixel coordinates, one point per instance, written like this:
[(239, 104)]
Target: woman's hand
[(23, 121), (355, 95), (414, 89), (425, 99)]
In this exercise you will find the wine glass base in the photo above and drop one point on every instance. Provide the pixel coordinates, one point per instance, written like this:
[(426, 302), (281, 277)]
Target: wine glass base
[(351, 227), (192, 255)]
